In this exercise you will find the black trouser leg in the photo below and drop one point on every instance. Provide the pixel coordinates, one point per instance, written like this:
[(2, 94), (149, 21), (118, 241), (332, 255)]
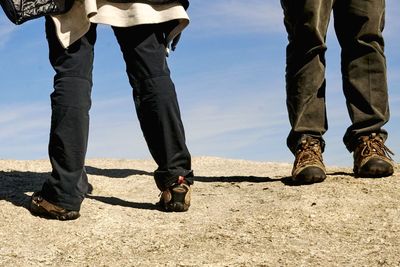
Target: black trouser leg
[(70, 104), (156, 103)]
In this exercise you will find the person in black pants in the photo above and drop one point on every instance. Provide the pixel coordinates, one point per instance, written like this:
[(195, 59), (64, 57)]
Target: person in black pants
[(144, 51)]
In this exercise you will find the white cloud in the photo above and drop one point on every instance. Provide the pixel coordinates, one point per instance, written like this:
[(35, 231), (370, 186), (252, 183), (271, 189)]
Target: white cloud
[(225, 111), (236, 17), (232, 109), (6, 29), (18, 118), (24, 130), (114, 130)]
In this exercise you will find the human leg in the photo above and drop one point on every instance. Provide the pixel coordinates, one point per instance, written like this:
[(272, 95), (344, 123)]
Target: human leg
[(156, 103), (306, 22), (70, 102), (359, 26)]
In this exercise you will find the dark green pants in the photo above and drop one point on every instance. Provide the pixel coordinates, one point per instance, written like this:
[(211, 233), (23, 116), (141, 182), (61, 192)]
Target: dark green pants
[(358, 25)]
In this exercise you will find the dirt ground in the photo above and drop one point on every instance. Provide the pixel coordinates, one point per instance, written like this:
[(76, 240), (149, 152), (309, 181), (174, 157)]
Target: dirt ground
[(243, 213)]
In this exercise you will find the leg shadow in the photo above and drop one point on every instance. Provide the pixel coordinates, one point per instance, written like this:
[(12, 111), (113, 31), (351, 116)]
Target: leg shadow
[(123, 203), (235, 179), (118, 173), (15, 184), (288, 181), (115, 173)]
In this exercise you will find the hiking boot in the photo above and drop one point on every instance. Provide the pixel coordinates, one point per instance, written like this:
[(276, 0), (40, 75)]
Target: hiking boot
[(372, 158), (41, 207), (176, 197), (308, 166)]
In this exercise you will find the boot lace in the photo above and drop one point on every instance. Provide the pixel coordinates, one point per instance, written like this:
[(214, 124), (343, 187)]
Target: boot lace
[(309, 153), (373, 144)]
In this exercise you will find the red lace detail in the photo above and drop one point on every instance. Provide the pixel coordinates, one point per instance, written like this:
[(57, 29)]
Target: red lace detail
[(181, 179)]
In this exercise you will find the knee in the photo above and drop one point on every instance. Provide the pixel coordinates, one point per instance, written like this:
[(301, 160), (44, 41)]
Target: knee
[(72, 91)]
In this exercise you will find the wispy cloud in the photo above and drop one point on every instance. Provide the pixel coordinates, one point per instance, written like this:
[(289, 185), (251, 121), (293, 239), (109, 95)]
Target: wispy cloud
[(236, 17), (214, 128), (231, 90), (6, 29), (24, 130), (225, 112)]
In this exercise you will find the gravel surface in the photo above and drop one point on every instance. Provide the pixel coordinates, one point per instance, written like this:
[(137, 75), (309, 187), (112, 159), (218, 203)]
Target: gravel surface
[(243, 213)]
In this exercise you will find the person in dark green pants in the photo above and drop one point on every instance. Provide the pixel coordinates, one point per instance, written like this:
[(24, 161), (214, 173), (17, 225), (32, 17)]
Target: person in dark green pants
[(358, 26)]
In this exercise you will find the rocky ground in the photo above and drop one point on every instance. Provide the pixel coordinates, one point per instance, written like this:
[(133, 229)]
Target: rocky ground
[(243, 213)]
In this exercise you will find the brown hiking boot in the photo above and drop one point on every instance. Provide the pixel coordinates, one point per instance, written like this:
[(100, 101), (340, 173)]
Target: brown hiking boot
[(41, 207), (177, 197), (308, 166), (372, 158)]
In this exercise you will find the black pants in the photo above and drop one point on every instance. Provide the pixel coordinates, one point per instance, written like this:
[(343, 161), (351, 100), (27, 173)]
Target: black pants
[(143, 49), (358, 25)]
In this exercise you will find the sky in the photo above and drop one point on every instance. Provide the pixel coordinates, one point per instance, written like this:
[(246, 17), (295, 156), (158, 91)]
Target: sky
[(228, 70)]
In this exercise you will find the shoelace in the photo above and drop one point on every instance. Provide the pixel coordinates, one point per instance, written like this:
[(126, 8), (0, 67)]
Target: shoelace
[(375, 145), (309, 152)]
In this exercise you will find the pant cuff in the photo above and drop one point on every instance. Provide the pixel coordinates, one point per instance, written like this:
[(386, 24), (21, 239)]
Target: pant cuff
[(165, 179)]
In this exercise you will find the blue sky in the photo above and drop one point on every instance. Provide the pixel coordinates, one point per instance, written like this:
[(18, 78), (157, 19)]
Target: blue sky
[(229, 74)]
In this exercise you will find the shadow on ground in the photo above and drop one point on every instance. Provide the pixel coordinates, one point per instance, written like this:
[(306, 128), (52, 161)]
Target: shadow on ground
[(123, 203), (235, 179), (15, 184), (115, 173)]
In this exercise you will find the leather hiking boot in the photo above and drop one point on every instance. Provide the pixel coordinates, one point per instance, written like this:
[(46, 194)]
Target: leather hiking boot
[(41, 207), (177, 197), (372, 158), (308, 166)]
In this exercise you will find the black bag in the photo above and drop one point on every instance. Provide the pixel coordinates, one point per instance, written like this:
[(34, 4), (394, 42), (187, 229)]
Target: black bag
[(20, 11)]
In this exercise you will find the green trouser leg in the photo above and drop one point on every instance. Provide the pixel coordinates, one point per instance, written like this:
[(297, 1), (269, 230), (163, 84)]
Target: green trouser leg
[(358, 25)]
